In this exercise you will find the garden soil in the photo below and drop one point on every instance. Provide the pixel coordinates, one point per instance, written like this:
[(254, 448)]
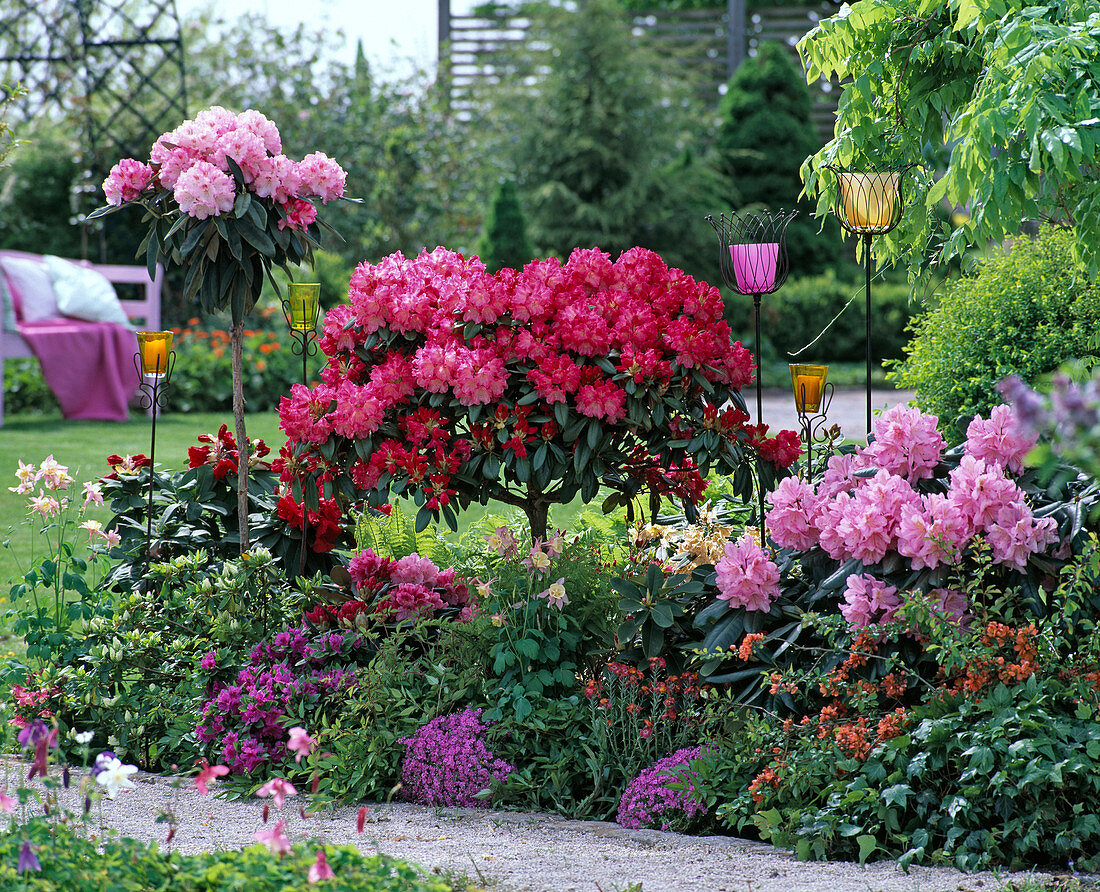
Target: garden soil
[(510, 851)]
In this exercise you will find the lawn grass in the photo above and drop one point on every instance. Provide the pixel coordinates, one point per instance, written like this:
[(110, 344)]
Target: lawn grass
[(83, 446)]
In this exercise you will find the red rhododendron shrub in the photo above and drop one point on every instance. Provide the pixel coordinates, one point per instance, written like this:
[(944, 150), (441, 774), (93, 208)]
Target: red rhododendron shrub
[(449, 385)]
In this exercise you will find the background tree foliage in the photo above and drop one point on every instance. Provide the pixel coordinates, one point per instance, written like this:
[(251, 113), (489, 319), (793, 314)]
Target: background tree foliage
[(1011, 87), (504, 242), (764, 135), (599, 133)]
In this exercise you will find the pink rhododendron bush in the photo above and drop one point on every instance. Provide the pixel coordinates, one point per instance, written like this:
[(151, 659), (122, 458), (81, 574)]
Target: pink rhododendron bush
[(451, 386), (900, 531)]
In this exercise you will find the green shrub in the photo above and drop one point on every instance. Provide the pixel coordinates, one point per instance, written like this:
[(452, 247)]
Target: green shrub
[(25, 390), (796, 314), (1026, 311), (70, 861), (202, 380), (504, 242)]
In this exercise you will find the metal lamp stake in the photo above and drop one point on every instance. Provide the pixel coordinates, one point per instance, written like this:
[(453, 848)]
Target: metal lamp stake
[(868, 203), (752, 254), (154, 361), (300, 307)]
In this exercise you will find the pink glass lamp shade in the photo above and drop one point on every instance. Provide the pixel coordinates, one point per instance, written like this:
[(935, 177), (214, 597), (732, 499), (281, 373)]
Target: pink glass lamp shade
[(754, 266)]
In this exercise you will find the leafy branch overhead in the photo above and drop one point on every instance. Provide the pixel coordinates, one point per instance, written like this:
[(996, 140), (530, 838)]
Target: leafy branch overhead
[(1012, 92)]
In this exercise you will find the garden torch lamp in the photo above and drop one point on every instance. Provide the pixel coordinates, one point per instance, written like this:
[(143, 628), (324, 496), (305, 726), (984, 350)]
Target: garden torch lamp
[(154, 360), (752, 254), (812, 396), (869, 203), (300, 307)]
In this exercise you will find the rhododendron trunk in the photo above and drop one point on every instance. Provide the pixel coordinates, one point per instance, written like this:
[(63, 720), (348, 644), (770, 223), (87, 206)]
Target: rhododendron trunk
[(236, 334)]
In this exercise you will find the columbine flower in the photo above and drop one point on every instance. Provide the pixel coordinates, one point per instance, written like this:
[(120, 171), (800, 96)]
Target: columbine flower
[(53, 475), (28, 860), (111, 538), (275, 839), (209, 773), (538, 560), (555, 595), (116, 777), (43, 504), (25, 475), (94, 528), (93, 494), (301, 744), (7, 804), (484, 589), (320, 869), (498, 620), (278, 789)]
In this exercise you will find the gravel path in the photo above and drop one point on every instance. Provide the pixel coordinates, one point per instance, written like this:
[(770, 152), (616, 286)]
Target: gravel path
[(511, 851)]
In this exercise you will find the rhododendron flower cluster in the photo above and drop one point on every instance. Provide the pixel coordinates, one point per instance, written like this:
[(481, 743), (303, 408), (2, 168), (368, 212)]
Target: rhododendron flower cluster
[(245, 721), (746, 576), (870, 505), (196, 162), (408, 588), (220, 451), (648, 801), (449, 385), (447, 762)]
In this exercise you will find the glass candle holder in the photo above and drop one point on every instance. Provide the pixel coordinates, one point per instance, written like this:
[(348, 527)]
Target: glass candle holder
[(154, 347), (808, 382), (302, 302), (754, 267), (869, 199)]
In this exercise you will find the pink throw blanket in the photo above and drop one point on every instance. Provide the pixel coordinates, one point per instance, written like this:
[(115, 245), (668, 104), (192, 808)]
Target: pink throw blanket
[(89, 366)]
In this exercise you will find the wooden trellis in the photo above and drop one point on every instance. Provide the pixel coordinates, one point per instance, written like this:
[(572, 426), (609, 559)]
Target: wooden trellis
[(113, 68)]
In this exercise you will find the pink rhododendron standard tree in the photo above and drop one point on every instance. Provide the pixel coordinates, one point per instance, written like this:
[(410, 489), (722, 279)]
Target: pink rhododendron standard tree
[(895, 533), (449, 385), (223, 203)]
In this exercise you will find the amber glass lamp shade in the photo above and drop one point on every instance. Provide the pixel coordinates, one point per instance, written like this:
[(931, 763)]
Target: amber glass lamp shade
[(302, 301), (870, 199), (154, 347), (808, 382)]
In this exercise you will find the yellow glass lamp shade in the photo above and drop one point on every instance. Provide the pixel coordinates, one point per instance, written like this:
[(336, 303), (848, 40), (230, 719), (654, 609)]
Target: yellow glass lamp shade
[(869, 199), (302, 298), (154, 346), (808, 382)]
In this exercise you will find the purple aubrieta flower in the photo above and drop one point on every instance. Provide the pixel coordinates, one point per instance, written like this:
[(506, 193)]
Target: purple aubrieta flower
[(447, 763), (648, 800)]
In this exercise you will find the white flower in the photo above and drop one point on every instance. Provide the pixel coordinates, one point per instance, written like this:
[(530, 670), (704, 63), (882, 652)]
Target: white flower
[(84, 736), (116, 777)]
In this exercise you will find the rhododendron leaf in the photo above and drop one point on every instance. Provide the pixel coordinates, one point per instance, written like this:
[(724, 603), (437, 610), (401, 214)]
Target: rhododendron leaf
[(423, 518), (840, 577), (240, 206), (653, 639), (191, 239), (258, 238), (594, 432), (491, 468), (561, 414)]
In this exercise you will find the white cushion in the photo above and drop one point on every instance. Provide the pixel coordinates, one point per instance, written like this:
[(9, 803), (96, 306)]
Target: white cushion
[(84, 293), (31, 288)]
